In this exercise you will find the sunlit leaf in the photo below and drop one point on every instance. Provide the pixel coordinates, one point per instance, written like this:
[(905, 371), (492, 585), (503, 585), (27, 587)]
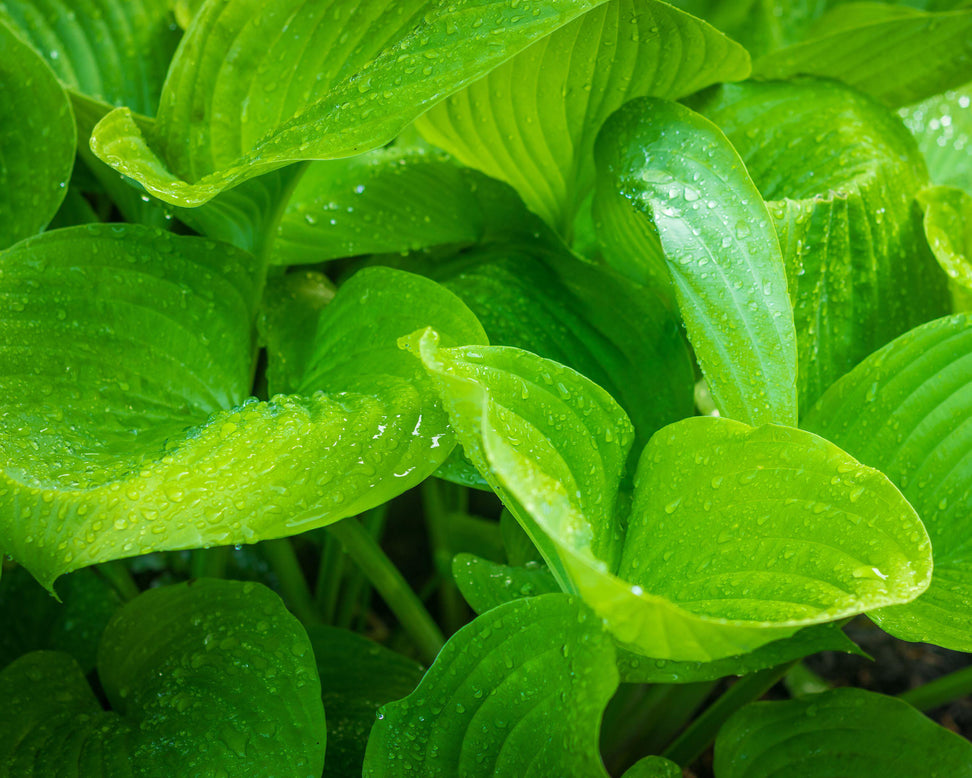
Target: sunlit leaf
[(948, 227), (942, 125)]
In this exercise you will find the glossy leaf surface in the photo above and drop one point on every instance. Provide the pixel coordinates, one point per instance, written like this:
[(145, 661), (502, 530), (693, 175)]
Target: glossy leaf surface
[(942, 125), (532, 121), (36, 140), (840, 732), (255, 86), (907, 409), (517, 692), (948, 227), (206, 678), (840, 175), (730, 541), (897, 57), (678, 170)]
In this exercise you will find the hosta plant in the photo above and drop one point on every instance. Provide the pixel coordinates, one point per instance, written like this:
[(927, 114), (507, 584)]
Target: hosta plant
[(481, 388)]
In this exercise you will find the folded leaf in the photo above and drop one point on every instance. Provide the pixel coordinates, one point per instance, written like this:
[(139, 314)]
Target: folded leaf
[(358, 676), (840, 732), (318, 80), (518, 692), (125, 424), (897, 57), (678, 170), (36, 140), (205, 678), (907, 409), (948, 227), (737, 536), (942, 125), (533, 120), (840, 174)]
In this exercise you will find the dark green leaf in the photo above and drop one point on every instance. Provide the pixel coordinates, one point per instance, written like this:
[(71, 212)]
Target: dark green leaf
[(907, 409), (677, 169), (205, 678), (519, 693), (486, 585), (841, 732), (532, 121)]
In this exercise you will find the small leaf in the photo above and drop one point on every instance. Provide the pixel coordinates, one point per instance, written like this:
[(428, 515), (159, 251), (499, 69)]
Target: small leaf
[(532, 121), (518, 692), (948, 227), (840, 732), (354, 75), (677, 169), (37, 139), (486, 585), (205, 678), (653, 767), (907, 409), (897, 57), (358, 676)]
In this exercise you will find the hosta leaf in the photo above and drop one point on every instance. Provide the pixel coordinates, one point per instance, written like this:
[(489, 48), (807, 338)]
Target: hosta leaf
[(114, 51), (517, 692), (544, 300), (34, 621), (256, 86), (653, 767), (387, 200), (840, 732), (907, 409), (358, 676), (125, 423), (532, 121), (36, 141), (677, 169), (897, 57), (737, 536), (942, 125), (840, 173), (205, 678), (486, 585), (948, 227)]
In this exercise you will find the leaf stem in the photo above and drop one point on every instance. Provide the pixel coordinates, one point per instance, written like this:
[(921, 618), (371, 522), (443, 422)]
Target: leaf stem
[(293, 586), (119, 576), (357, 590), (390, 584), (209, 562), (941, 691), (330, 571), (435, 497), (688, 746)]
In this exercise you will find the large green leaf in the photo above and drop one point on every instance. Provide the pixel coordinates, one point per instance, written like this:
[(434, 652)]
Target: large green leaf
[(840, 732), (254, 86), (532, 121), (518, 692), (897, 56), (942, 125), (125, 424), (841, 174), (907, 409), (678, 170), (208, 678), (36, 140), (737, 536), (358, 676), (486, 585)]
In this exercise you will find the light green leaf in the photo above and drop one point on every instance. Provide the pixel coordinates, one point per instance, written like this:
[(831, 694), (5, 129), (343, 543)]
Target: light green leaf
[(256, 86), (737, 536), (948, 227), (840, 174), (358, 676), (907, 409), (113, 51), (533, 120), (125, 423), (518, 693), (677, 169), (899, 58), (388, 200), (942, 125), (36, 141), (34, 621), (205, 678), (486, 585), (840, 732)]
